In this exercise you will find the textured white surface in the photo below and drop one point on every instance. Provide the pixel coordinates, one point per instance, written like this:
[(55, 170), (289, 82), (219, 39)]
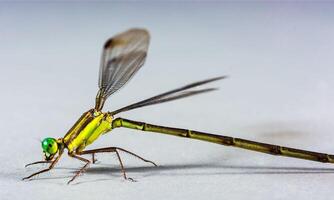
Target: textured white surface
[(280, 61)]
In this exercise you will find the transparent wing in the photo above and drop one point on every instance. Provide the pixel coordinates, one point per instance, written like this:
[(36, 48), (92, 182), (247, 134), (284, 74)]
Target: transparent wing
[(122, 57), (175, 94)]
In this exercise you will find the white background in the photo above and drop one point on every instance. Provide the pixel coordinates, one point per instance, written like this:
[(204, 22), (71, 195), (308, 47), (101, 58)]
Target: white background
[(279, 58)]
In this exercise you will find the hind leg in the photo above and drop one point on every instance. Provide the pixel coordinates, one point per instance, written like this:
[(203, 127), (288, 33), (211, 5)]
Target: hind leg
[(115, 150)]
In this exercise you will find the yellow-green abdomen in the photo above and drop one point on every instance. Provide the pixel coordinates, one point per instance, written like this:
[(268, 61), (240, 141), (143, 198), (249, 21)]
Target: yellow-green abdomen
[(88, 128)]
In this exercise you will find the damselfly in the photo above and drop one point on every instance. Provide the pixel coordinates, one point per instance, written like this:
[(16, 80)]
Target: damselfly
[(122, 56)]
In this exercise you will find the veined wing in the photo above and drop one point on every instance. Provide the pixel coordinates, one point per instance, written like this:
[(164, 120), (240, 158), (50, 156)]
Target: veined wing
[(175, 94), (122, 57)]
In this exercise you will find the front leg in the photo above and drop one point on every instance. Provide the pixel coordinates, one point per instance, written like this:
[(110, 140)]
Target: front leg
[(38, 162), (53, 163)]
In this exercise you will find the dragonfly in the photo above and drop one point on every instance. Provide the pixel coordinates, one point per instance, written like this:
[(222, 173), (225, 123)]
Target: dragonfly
[(122, 56)]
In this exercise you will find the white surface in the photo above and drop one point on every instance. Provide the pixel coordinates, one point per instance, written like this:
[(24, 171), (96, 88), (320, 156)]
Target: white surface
[(280, 61)]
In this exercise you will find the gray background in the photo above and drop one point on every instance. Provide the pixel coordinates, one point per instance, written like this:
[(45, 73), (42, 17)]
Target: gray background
[(279, 57)]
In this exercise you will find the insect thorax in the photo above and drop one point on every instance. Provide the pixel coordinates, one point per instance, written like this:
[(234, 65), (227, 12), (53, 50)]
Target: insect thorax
[(87, 129)]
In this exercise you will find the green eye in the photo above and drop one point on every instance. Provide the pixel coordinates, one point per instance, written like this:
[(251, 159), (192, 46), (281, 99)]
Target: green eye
[(50, 145)]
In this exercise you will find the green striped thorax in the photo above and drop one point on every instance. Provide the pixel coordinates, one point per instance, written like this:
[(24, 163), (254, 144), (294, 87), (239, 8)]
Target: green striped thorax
[(50, 148)]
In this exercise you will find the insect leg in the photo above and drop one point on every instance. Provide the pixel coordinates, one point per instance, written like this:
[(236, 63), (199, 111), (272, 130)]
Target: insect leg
[(38, 162), (82, 169), (53, 163), (113, 149), (116, 149), (93, 158)]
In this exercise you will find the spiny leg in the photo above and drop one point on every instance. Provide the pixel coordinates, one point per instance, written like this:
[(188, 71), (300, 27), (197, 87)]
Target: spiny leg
[(137, 156), (82, 169), (116, 149), (93, 158), (122, 166), (38, 162), (108, 149), (112, 149), (53, 163)]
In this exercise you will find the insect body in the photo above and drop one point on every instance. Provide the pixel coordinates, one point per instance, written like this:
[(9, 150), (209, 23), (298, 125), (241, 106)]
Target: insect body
[(89, 127), (122, 57)]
